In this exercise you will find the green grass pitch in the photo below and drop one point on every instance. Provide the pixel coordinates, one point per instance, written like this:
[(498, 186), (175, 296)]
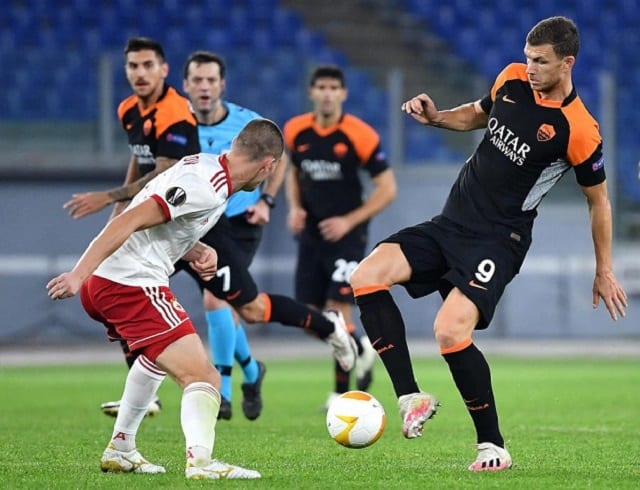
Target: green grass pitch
[(568, 424)]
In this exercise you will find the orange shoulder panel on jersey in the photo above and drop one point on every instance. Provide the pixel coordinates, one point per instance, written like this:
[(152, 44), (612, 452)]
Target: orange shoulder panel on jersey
[(126, 104), (294, 126), (365, 139), (171, 109), (584, 132), (513, 71)]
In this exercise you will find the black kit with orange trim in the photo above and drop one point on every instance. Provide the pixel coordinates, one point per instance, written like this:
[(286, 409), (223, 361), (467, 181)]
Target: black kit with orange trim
[(166, 129), (529, 144)]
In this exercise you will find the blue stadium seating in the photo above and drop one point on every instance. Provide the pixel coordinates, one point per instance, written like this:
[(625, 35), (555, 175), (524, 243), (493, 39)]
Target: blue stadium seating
[(57, 45)]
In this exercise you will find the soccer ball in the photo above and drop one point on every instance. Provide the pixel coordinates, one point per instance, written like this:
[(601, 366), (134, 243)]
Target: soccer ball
[(355, 419)]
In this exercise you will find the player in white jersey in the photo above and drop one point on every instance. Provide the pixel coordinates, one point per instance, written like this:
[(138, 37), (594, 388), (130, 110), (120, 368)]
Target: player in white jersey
[(123, 280)]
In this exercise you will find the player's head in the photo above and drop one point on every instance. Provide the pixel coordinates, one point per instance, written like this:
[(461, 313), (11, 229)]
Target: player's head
[(327, 90), (260, 145), (145, 66), (551, 49), (203, 81), (560, 32)]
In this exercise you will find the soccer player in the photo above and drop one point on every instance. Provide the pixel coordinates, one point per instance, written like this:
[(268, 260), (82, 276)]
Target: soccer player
[(328, 149), (160, 128), (236, 236), (123, 279), (537, 128)]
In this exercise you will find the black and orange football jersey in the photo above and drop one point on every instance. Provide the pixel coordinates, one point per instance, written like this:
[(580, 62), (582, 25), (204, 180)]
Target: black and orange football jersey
[(329, 161), (167, 129), (527, 147)]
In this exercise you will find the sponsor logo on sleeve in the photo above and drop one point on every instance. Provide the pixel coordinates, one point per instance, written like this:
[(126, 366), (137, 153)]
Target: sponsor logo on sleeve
[(597, 165), (176, 196), (177, 138)]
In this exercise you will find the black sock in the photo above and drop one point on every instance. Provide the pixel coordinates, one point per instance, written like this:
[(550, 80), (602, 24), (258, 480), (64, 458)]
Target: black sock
[(358, 343), (384, 325), (341, 378), (290, 312), (472, 376)]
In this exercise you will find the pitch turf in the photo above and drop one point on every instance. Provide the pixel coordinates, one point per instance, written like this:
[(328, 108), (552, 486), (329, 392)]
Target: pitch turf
[(568, 424)]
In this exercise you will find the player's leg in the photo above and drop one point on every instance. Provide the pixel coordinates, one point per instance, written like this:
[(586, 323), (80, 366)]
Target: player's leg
[(187, 362), (246, 238), (254, 372), (479, 277), (312, 281), (134, 317), (404, 258), (328, 326), (221, 328), (141, 385)]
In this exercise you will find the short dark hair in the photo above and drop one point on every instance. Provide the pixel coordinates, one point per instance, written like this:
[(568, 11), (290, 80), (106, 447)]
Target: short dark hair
[(200, 57), (327, 71), (136, 44), (560, 32), (261, 138)]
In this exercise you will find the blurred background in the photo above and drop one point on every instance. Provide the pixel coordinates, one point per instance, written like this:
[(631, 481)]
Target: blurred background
[(62, 78)]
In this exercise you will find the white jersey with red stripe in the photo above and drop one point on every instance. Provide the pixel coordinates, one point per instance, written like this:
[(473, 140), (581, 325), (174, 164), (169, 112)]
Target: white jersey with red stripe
[(193, 194)]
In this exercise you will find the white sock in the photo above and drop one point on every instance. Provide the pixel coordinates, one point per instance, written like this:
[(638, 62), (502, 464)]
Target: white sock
[(198, 416), (140, 388)]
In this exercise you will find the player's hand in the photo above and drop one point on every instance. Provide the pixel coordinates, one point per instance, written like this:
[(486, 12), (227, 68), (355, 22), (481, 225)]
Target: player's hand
[(81, 205), (259, 213), (422, 109), (334, 228), (64, 286), (206, 264), (296, 220), (605, 286)]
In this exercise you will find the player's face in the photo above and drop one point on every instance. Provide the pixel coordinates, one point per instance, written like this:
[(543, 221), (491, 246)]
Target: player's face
[(327, 95), (204, 86), (146, 73), (545, 69)]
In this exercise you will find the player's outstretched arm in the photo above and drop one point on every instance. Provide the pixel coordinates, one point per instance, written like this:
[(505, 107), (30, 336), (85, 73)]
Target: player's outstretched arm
[(465, 117), (605, 283), (112, 236)]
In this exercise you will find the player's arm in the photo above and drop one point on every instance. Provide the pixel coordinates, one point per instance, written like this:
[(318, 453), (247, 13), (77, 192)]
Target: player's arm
[(465, 117), (605, 284), (260, 212), (297, 214), (91, 202), (384, 192), (113, 235)]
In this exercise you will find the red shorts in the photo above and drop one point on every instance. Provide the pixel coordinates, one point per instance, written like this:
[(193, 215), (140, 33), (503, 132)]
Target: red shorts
[(147, 318)]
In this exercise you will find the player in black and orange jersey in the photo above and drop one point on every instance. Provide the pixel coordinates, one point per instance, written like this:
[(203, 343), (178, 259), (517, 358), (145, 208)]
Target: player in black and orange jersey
[(161, 129), (537, 128), (328, 149)]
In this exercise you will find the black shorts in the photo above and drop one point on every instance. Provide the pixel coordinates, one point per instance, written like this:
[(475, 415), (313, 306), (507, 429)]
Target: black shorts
[(236, 242), (443, 254), (323, 269)]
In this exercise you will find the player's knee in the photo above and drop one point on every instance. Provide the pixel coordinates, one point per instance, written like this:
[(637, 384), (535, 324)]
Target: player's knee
[(451, 328), (362, 276), (253, 312), (203, 373), (210, 302)]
